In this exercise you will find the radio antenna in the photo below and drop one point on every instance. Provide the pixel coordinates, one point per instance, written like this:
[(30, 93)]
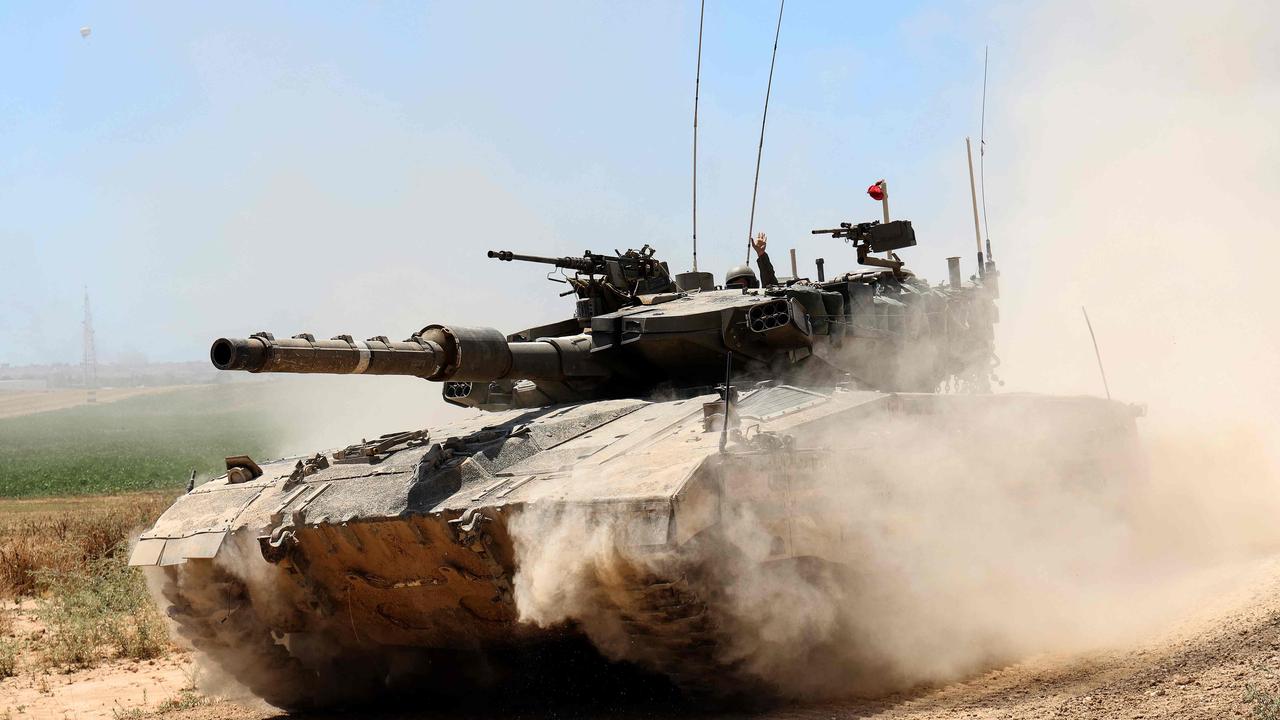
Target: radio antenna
[(697, 88), (982, 155), (751, 225), (1096, 353)]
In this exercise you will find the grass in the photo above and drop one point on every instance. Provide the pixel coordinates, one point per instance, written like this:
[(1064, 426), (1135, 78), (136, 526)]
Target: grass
[(67, 537), (90, 604), (136, 444), (70, 553), (8, 657), (1265, 705), (100, 609), (187, 699)]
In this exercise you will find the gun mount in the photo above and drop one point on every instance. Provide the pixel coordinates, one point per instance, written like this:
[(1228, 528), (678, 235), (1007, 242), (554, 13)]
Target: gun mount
[(605, 283), (869, 237)]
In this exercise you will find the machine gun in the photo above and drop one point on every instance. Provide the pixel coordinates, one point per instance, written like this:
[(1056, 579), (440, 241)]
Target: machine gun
[(869, 237), (607, 282), (622, 270)]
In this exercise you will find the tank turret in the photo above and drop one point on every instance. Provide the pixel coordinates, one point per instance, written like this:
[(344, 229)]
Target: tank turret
[(633, 332)]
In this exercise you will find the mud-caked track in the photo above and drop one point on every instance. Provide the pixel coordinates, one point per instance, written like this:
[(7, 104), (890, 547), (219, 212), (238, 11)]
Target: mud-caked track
[(213, 611)]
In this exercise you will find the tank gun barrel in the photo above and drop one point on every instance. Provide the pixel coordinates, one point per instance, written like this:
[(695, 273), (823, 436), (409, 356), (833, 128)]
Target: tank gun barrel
[(341, 355), (436, 353)]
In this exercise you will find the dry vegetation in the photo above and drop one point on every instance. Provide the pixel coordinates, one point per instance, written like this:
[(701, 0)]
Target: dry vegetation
[(61, 538), (67, 568)]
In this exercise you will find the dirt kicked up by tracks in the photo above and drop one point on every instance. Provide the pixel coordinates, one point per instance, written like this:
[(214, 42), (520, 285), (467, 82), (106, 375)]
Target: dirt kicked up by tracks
[(1221, 660)]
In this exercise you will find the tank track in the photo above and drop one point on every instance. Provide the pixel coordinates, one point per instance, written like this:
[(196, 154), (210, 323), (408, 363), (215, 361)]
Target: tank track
[(672, 628), (212, 610)]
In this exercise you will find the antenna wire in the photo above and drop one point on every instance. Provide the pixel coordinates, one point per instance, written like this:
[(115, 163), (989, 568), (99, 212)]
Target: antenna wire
[(697, 89), (755, 186), (982, 156)]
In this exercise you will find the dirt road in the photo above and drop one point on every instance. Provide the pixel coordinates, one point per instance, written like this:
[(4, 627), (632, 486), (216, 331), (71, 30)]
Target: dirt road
[(1220, 661), (16, 404)]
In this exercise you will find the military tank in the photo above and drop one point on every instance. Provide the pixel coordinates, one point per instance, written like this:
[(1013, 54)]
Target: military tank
[(664, 411)]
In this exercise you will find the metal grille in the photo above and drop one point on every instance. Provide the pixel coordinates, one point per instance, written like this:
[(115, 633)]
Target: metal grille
[(777, 401)]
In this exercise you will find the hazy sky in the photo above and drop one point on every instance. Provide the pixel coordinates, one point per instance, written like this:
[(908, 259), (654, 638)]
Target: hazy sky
[(226, 168), (231, 167)]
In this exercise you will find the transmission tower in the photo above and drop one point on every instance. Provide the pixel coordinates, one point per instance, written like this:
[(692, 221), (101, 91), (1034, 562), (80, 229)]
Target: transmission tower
[(89, 366)]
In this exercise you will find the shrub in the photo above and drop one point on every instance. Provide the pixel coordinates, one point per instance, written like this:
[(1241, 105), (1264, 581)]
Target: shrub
[(1266, 705), (101, 605), (8, 657), (67, 539)]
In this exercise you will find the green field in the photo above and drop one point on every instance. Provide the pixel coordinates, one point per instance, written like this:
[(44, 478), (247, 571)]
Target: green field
[(142, 443)]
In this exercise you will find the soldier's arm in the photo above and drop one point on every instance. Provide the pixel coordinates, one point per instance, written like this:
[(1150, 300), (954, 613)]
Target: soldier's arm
[(767, 276)]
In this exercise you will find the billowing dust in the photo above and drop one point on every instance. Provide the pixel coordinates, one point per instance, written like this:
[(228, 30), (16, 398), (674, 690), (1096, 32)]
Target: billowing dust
[(952, 558)]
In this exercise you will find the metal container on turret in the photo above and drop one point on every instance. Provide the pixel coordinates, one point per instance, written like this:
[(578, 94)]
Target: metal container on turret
[(653, 414)]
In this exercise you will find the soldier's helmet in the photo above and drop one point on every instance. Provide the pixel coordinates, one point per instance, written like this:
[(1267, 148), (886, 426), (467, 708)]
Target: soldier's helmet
[(741, 276)]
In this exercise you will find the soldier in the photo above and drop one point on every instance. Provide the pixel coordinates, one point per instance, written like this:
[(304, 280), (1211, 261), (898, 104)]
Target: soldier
[(743, 277)]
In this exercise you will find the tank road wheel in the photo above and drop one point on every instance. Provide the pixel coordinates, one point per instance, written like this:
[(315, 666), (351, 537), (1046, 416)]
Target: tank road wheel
[(213, 611)]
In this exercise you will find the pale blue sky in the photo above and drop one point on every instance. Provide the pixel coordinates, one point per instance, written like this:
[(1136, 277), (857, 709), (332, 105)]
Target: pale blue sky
[(225, 168), (229, 167)]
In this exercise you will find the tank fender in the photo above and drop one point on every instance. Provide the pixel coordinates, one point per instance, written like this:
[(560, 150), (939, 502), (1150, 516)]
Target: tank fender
[(195, 526)]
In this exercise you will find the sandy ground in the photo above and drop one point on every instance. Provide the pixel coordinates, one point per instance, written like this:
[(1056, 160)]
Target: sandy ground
[(1204, 666), (110, 690), (14, 404)]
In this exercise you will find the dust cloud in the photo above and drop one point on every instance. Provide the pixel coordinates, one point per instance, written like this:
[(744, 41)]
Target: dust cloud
[(312, 413), (945, 550), (1135, 173)]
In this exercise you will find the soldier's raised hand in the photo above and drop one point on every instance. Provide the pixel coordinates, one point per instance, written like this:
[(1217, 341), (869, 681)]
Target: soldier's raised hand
[(759, 243)]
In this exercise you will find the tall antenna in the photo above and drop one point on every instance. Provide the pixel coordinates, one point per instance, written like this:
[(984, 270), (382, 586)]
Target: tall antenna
[(697, 89), (89, 364), (973, 195), (982, 155), (1096, 353), (751, 226)]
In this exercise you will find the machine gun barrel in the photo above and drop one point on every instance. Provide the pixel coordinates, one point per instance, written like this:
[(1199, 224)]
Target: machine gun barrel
[(581, 264), (436, 353)]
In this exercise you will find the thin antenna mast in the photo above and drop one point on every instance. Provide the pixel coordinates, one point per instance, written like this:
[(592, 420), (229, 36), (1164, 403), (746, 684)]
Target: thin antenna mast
[(982, 155), (1096, 353), (973, 195), (751, 225), (728, 399), (697, 89)]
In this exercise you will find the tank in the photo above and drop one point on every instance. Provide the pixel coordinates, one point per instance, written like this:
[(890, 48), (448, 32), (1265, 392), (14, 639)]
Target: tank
[(640, 430)]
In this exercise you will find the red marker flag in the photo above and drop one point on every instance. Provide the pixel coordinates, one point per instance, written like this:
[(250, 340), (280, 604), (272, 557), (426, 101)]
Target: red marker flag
[(876, 191)]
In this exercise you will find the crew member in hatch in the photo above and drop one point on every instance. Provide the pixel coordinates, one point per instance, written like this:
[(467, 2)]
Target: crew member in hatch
[(743, 276)]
